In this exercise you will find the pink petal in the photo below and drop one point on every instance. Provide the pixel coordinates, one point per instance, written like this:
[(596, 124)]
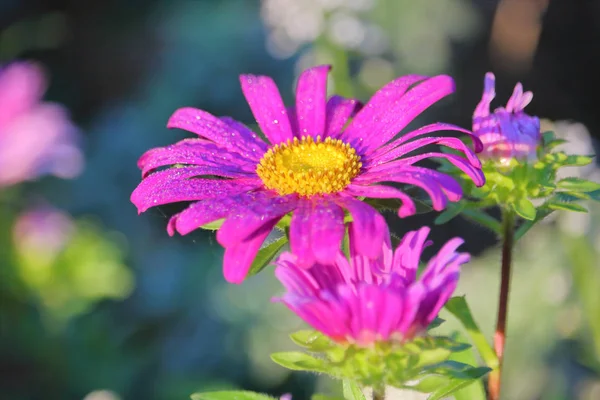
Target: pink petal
[(339, 111), (248, 135), (474, 172), (210, 127), (388, 113), (238, 258), (251, 210), (174, 185), (311, 96), (327, 230), (403, 149), (368, 226), (265, 102), (300, 237), (199, 152), (22, 86), (408, 207)]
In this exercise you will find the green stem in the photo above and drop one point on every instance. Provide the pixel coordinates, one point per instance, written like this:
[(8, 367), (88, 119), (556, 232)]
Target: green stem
[(508, 230), (379, 394)]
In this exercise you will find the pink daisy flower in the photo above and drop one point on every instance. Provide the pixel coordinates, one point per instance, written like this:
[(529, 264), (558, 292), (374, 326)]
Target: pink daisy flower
[(315, 164), (36, 138), (507, 132), (363, 300)]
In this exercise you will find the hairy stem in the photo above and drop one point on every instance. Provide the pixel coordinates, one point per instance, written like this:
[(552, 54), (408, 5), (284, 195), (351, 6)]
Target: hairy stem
[(508, 230)]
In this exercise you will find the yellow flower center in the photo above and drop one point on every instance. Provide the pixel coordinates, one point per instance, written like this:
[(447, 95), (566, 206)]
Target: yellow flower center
[(309, 167)]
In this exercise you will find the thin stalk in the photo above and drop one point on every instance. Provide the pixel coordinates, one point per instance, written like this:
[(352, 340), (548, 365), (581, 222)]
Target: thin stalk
[(379, 394), (508, 230)]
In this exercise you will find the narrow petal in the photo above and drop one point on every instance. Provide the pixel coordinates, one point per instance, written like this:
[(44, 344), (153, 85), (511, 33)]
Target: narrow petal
[(368, 226), (238, 257), (198, 152), (248, 135), (300, 227), (408, 207), (210, 127), (451, 142), (339, 111), (174, 185), (408, 254), (327, 230), (489, 92), (251, 210), (473, 171), (394, 112), (370, 117), (424, 178), (265, 102), (311, 97)]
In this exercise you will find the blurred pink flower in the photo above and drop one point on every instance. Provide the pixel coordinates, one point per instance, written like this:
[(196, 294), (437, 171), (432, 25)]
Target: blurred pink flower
[(42, 229), (322, 157), (507, 132), (36, 137), (362, 301)]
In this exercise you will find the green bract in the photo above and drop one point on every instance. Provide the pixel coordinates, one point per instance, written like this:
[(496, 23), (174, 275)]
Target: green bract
[(422, 364)]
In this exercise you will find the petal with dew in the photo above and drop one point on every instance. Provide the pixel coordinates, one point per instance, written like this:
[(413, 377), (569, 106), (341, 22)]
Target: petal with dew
[(396, 112), (251, 210), (407, 208), (178, 184), (300, 238), (327, 230), (269, 111), (239, 256), (311, 98), (196, 152), (210, 127), (339, 110)]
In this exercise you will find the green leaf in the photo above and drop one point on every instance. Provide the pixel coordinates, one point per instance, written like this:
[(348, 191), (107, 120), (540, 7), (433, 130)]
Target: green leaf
[(556, 205), (578, 185), (213, 226), (435, 323), (352, 390), (483, 219), (476, 390), (577, 161), (266, 255), (297, 361), (451, 211), (458, 307), (455, 384), (524, 208), (312, 340), (542, 212), (231, 395), (548, 137), (324, 397)]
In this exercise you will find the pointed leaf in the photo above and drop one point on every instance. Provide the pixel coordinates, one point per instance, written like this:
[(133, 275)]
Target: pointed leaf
[(312, 340), (458, 307), (231, 395), (556, 205), (456, 384), (483, 219), (352, 390), (451, 211), (266, 255), (475, 391), (578, 185), (297, 361), (524, 208), (577, 161)]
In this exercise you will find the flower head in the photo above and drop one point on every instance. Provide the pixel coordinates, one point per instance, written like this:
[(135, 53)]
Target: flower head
[(315, 164), (507, 132), (363, 301), (36, 138)]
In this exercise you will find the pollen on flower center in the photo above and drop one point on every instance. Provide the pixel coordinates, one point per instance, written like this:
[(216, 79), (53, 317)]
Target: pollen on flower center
[(308, 167)]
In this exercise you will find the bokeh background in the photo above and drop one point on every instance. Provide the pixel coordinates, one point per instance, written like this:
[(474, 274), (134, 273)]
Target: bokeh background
[(98, 303)]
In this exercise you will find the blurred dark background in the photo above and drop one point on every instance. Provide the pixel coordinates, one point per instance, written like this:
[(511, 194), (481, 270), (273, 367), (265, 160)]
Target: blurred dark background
[(122, 67)]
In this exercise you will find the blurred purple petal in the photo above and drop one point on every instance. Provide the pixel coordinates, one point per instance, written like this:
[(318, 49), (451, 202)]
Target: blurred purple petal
[(339, 110)]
